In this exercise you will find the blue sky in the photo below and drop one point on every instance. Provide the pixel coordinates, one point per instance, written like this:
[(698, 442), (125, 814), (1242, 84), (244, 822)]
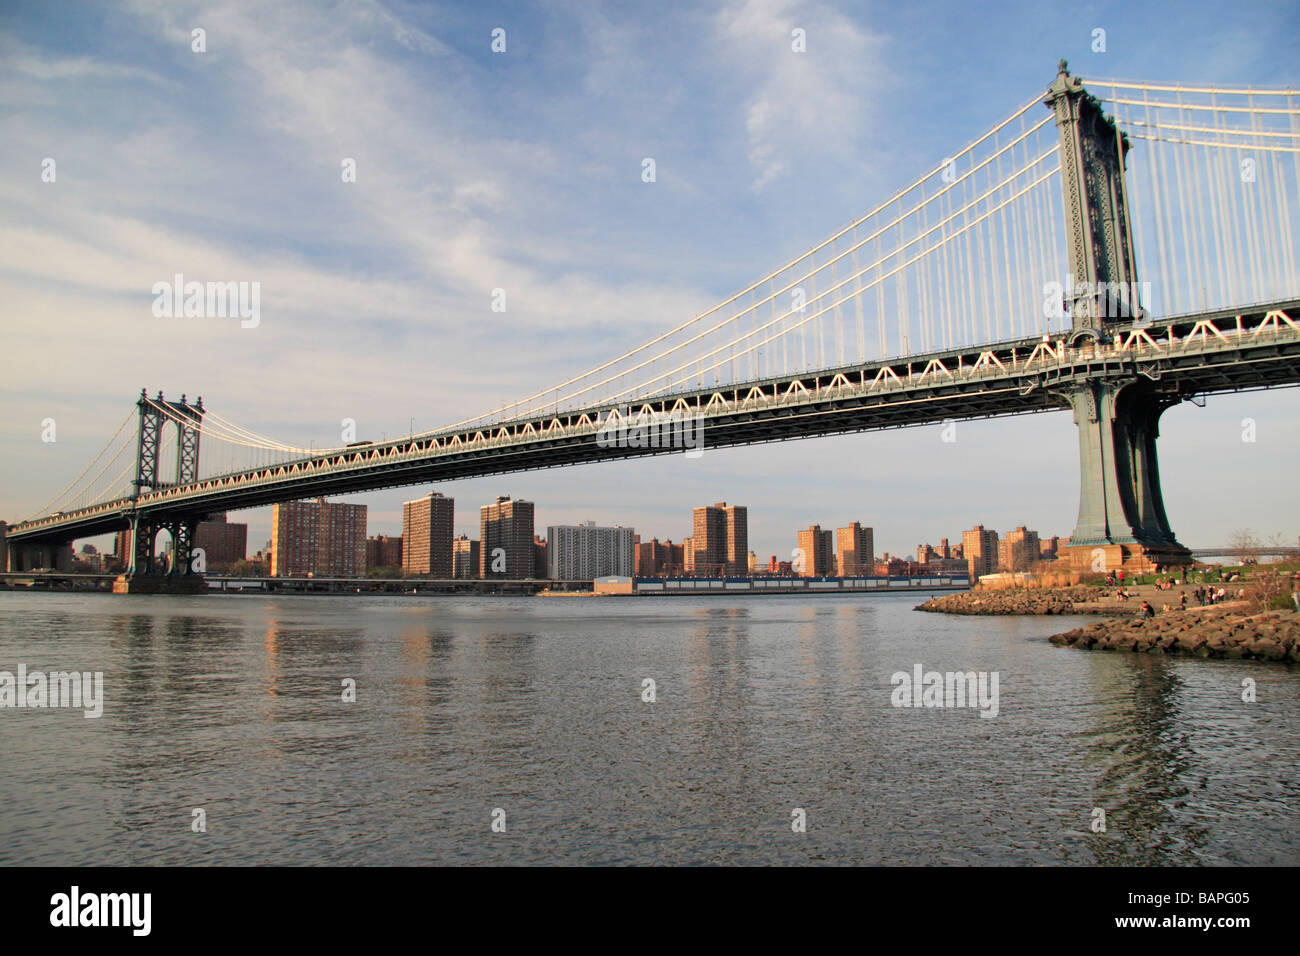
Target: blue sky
[(521, 171)]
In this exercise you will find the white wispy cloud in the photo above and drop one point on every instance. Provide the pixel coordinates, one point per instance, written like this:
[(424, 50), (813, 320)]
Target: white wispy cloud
[(819, 100)]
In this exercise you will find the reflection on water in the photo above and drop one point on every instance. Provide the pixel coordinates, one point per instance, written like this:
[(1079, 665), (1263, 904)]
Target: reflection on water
[(234, 704), (1141, 750)]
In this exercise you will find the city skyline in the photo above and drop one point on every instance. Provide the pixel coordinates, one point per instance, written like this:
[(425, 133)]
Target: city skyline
[(842, 551)]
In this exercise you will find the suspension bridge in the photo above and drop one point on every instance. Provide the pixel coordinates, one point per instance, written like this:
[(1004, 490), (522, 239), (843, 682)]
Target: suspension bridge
[(1004, 281)]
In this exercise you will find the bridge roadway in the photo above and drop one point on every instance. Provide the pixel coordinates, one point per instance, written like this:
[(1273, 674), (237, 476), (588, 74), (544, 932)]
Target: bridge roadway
[(1220, 351)]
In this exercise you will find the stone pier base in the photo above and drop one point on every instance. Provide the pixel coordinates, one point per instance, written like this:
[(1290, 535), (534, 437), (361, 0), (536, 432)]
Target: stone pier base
[(1131, 558)]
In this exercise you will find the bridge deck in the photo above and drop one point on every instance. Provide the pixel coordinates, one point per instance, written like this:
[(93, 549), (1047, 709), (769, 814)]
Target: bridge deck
[(1186, 355)]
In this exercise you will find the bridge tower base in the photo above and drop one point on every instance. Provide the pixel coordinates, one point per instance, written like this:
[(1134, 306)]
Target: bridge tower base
[(146, 575), (1122, 521)]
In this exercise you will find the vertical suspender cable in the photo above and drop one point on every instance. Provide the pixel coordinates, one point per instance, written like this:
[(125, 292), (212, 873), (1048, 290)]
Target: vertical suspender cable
[(1215, 182)]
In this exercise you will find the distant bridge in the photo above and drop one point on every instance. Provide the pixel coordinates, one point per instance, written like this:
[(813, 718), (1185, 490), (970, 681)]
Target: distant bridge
[(1284, 551)]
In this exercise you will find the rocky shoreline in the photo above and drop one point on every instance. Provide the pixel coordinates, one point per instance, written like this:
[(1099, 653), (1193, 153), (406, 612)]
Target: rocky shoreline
[(1229, 631), (1220, 632), (1070, 600)]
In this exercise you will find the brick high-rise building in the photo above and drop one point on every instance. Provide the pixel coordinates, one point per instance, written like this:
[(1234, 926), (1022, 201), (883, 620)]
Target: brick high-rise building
[(818, 550), (295, 539), (855, 550), (464, 558), (540, 551), (343, 539), (980, 548), (1019, 549), (737, 520), (720, 539), (654, 558), (506, 539), (661, 559), (688, 555), (223, 543), (426, 535), (383, 551), (584, 552), (122, 549), (931, 561), (675, 558), (318, 538), (709, 540)]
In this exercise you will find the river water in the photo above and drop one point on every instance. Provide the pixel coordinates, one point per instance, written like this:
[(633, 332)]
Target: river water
[(529, 712)]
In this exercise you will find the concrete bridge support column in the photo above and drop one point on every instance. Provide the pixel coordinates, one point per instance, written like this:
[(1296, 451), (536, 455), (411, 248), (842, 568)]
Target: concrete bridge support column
[(1122, 520)]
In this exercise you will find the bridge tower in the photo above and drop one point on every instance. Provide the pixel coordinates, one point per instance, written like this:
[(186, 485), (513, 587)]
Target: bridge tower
[(1102, 289), (154, 416), (1121, 512)]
